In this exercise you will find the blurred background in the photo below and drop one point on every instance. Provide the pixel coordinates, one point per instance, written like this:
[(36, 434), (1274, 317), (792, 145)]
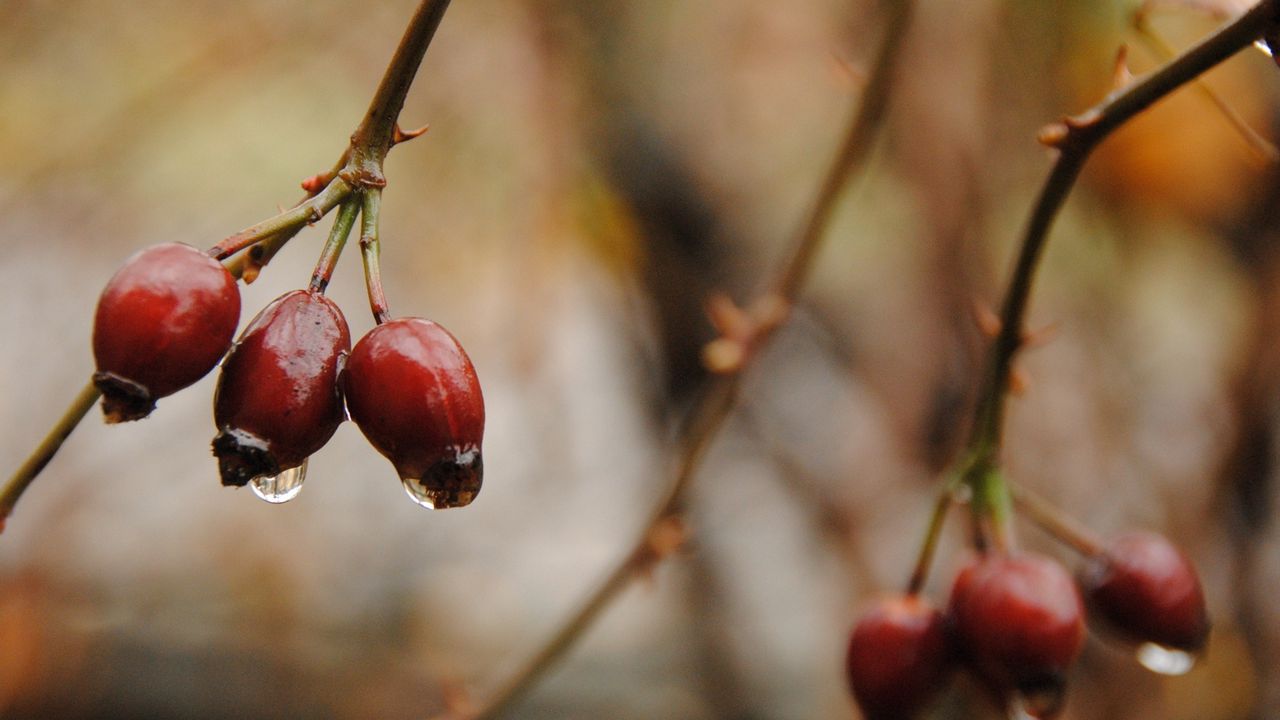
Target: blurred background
[(594, 171)]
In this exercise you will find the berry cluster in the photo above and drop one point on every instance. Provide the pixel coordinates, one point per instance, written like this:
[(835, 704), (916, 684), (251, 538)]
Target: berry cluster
[(1015, 621), (167, 317)]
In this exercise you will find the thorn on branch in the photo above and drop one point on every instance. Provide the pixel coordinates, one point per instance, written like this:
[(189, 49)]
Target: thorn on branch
[(740, 331), (1121, 76), (398, 136), (985, 319), (665, 537), (316, 183)]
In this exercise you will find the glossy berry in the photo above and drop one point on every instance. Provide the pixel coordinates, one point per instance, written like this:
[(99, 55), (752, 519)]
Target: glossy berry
[(1019, 621), (414, 394), (899, 657), (1146, 590), (163, 321), (278, 399)]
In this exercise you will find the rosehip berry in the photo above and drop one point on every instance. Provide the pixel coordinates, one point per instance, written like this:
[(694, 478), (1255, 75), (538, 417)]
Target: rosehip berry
[(162, 322), (1146, 590), (899, 657), (1019, 622), (413, 392), (278, 399)]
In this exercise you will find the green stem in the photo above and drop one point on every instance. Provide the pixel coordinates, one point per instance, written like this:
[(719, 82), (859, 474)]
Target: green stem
[(370, 250), (333, 246), (44, 452), (305, 212)]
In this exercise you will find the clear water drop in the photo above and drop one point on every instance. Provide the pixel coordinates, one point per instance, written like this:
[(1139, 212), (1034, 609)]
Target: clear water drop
[(1017, 709), (1163, 660), (452, 482), (1264, 47), (434, 499), (280, 488)]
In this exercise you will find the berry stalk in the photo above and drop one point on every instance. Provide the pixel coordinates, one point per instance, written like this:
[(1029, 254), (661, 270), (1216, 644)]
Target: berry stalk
[(333, 246), (370, 249)]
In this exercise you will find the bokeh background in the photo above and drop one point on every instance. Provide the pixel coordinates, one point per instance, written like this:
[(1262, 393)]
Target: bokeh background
[(594, 171)]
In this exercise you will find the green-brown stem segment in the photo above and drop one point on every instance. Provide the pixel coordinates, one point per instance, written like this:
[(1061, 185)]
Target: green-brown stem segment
[(333, 246), (717, 399), (370, 250)]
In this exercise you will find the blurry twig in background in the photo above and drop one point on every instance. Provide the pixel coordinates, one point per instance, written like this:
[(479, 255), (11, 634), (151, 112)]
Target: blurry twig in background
[(744, 332)]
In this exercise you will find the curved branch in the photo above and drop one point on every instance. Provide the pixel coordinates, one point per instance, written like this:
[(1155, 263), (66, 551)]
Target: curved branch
[(717, 399)]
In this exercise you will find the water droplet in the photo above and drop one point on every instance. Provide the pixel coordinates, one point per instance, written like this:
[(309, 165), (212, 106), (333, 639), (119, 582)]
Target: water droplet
[(450, 483), (1017, 709), (1042, 698), (1163, 660), (962, 494), (1264, 47), (280, 488)]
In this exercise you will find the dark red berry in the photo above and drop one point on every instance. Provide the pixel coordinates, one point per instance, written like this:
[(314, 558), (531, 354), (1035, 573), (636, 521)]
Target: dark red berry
[(899, 657), (1019, 621), (162, 322), (414, 394), (1145, 589), (278, 399)]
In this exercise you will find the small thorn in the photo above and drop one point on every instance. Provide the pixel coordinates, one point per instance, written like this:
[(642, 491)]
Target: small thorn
[(398, 136), (1019, 381), (316, 183), (665, 537), (986, 319), (1121, 77), (723, 355), (1053, 135), (279, 208), (726, 317)]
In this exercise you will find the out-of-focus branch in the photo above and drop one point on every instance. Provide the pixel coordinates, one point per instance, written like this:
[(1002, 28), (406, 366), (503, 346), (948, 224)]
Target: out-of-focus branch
[(744, 331), (1074, 138)]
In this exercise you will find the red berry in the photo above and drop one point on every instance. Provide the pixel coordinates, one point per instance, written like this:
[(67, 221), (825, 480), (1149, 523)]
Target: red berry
[(278, 399), (1019, 621), (899, 656), (414, 394), (1146, 590), (162, 322)]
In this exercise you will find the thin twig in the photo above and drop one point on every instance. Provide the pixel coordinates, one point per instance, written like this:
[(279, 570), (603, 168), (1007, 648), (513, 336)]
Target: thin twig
[(1262, 148), (370, 251), (1045, 515), (333, 246), (45, 451), (717, 398)]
